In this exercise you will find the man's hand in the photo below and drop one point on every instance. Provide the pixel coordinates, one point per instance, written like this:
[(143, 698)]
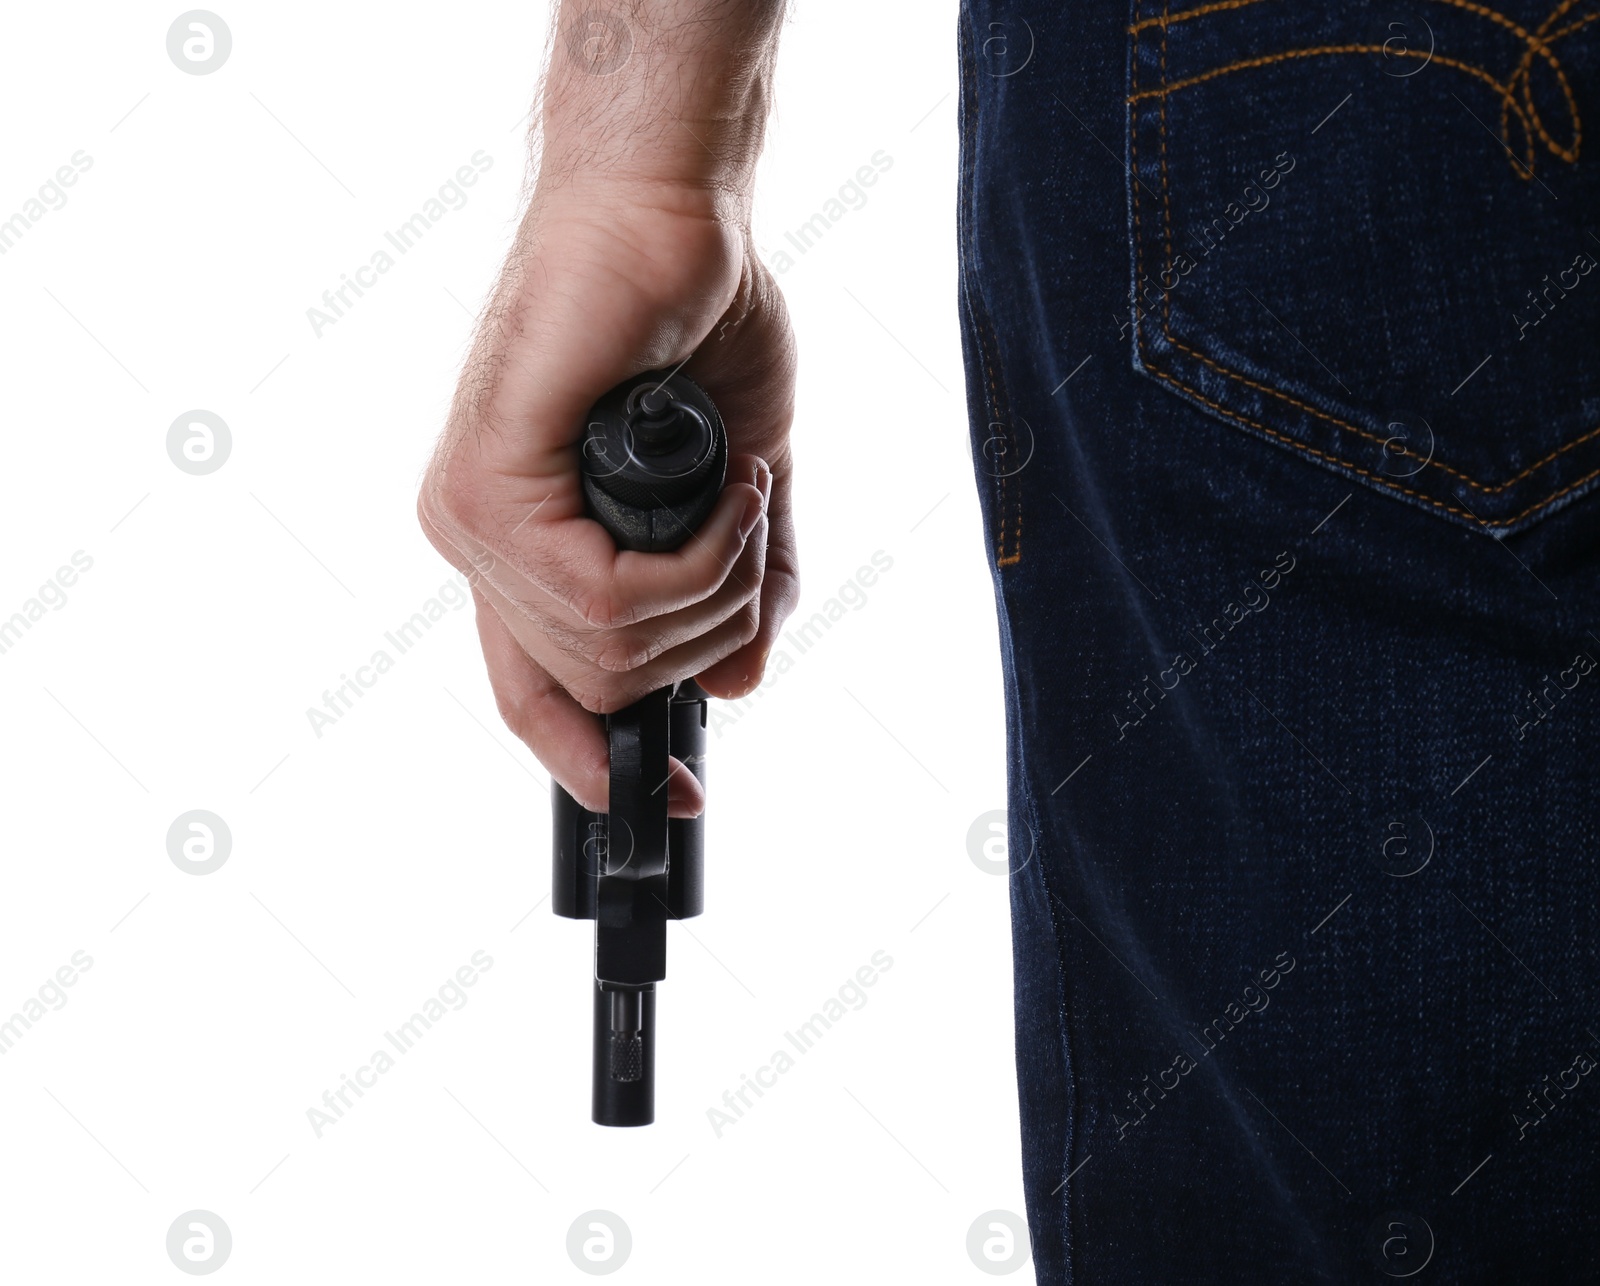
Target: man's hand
[(635, 254)]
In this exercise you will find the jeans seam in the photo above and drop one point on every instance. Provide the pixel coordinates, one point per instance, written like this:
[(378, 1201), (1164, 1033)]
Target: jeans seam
[(1073, 1112), (1008, 499)]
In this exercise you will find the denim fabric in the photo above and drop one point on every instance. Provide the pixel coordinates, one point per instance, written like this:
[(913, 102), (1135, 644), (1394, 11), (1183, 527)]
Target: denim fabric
[(1296, 556)]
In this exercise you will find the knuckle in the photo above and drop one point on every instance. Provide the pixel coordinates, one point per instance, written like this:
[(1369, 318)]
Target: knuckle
[(620, 653), (587, 694), (598, 694), (592, 777), (480, 563), (424, 515), (743, 550), (590, 792), (454, 502), (749, 621), (598, 610), (780, 612), (576, 644), (517, 715)]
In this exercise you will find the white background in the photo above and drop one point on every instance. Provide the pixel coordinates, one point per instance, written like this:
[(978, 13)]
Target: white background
[(368, 864)]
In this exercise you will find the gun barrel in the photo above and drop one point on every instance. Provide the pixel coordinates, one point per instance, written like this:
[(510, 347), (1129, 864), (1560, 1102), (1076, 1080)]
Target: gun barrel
[(624, 1054)]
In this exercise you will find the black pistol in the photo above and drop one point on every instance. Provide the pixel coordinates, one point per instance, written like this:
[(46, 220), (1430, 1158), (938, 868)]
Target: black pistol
[(654, 456)]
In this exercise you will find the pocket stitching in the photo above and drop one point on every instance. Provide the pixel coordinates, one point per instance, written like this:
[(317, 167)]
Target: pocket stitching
[(1535, 42), (1137, 95)]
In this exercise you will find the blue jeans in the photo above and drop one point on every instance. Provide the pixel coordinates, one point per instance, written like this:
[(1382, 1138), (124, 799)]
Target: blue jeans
[(1280, 328)]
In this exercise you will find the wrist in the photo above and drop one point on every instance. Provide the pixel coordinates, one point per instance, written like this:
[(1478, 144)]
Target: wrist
[(671, 94)]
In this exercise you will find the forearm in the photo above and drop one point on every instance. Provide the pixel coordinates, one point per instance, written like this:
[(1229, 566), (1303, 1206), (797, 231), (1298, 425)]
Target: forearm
[(659, 94)]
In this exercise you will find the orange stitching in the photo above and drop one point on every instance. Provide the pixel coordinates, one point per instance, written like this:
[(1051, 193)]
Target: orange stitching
[(1002, 410), (1002, 559), (1486, 488), (1016, 542), (1311, 51), (1138, 243), (1534, 41), (1322, 415), (1166, 204), (1539, 464), (1174, 340), (1572, 26), (968, 131), (1133, 145), (1199, 11), (1267, 59), (1166, 325), (970, 127), (1535, 45), (1524, 76), (1301, 446), (1379, 479), (1167, 17), (1521, 78), (1550, 499), (982, 329)]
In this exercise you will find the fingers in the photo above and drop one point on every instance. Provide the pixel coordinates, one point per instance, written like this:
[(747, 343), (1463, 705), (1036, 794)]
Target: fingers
[(642, 586), (686, 797), (717, 573), (563, 736), (636, 668), (568, 740), (740, 673), (564, 649), (569, 567)]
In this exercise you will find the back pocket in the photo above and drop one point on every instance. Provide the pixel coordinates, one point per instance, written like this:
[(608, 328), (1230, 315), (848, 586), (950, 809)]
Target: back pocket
[(1364, 234)]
